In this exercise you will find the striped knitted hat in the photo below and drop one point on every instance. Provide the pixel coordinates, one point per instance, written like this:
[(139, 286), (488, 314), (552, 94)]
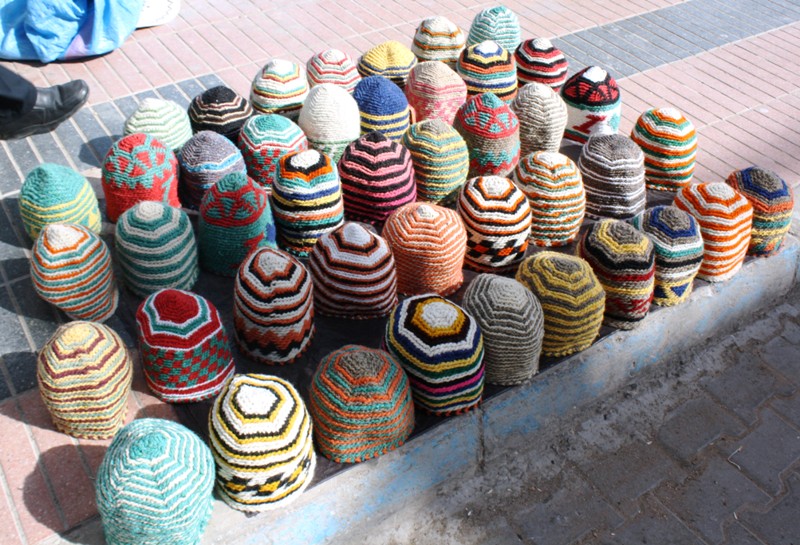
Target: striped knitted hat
[(441, 349), (612, 166), (542, 118), (273, 307), (57, 194), (497, 217), (235, 218), (84, 374), (261, 438), (205, 159), (623, 260), (361, 404), (428, 243), (71, 269), (390, 59), (155, 485), (440, 158), (679, 251), (264, 139), (772, 201), (554, 187), (334, 67), (491, 130), (221, 110), (138, 168), (669, 143), (593, 104), (435, 91), (499, 24), (487, 67), (354, 274), (164, 120), (280, 87), (330, 119), (512, 323), (438, 39), (383, 107), (539, 61)]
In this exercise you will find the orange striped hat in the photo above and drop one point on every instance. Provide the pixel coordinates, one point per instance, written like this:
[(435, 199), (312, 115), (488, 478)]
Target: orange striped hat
[(669, 143)]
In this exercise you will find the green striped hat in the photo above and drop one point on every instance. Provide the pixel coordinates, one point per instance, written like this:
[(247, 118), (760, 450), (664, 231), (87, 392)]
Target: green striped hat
[(440, 157), (162, 119)]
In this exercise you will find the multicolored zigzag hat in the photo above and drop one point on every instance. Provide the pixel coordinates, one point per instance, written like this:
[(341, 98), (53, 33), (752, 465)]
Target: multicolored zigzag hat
[(491, 130), (334, 67), (280, 87), (594, 104), (539, 61), (440, 158), (204, 160), (264, 139), (669, 143)]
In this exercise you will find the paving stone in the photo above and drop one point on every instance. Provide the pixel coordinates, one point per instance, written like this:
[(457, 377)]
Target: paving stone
[(113, 121), (736, 534), (41, 318), (12, 256), (73, 143), (779, 524), (174, 93), (614, 43), (672, 22), (659, 53), (694, 18), (97, 141), (791, 332), (127, 105), (22, 370), (789, 408), (48, 149), (581, 41), (578, 59), (5, 391), (191, 87), (695, 424), (210, 80), (10, 180), (782, 356), (651, 25), (652, 525), (25, 158), (12, 337)]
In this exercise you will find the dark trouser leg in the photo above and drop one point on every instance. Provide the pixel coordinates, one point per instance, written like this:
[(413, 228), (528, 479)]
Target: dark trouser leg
[(17, 95)]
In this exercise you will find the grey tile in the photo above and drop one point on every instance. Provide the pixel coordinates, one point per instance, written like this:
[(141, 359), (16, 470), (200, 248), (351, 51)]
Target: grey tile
[(12, 337), (110, 117), (41, 318), (673, 23), (652, 525), (12, 256), (22, 370), (10, 180), (191, 88), (210, 80), (658, 49), (578, 60), (5, 391), (608, 62), (22, 153), (779, 524), (49, 150), (740, 13), (127, 105), (652, 25), (719, 23), (73, 143), (696, 423), (97, 142), (622, 49), (174, 93), (777, 6), (146, 94)]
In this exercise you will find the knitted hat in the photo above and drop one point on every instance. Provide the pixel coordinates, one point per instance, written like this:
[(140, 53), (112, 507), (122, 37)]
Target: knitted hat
[(491, 130), (235, 218), (679, 251), (593, 104), (138, 168), (488, 67), (334, 67), (612, 166), (330, 119), (669, 143), (428, 243), (361, 404), (221, 110), (497, 217), (84, 374), (390, 59), (205, 159), (155, 248), (539, 61), (438, 39), (383, 107), (377, 178), (306, 200), (440, 158), (499, 24), (512, 323), (441, 348), (263, 140), (164, 120), (435, 91), (155, 485), (554, 187), (623, 260), (354, 274), (261, 438), (57, 194), (725, 217), (280, 87), (71, 269), (772, 201), (273, 307), (542, 118)]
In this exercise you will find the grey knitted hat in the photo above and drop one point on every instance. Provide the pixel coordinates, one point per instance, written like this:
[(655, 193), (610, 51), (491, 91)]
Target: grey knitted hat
[(612, 166), (542, 118)]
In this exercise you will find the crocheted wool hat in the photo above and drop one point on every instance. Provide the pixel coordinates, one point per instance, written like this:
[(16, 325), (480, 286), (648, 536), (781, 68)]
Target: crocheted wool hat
[(725, 217), (554, 187), (438, 39), (164, 120), (487, 67), (428, 243), (679, 251), (280, 87), (772, 201), (383, 107), (57, 194), (334, 67), (155, 248), (572, 300), (264, 139), (542, 118), (435, 91), (261, 438), (669, 143), (491, 130), (623, 259), (138, 168), (499, 24), (84, 375), (593, 104), (330, 119), (273, 307), (539, 61), (354, 274), (391, 60), (361, 404), (235, 218), (497, 217), (205, 159), (440, 158), (221, 110), (155, 485), (71, 269), (512, 323), (612, 166), (441, 348)]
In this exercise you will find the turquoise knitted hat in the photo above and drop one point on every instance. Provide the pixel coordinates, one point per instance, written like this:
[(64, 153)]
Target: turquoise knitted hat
[(499, 24)]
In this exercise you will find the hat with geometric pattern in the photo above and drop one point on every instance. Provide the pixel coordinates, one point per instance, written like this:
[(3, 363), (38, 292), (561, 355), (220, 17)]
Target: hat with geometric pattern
[(487, 67), (593, 104), (263, 140), (491, 130), (434, 90)]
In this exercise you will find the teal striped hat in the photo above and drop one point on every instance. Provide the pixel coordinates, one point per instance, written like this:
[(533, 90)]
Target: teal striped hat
[(499, 24), (161, 119)]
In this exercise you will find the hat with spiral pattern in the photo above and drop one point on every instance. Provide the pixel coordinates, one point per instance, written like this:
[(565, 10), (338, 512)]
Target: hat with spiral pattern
[(487, 67), (497, 23), (612, 166), (542, 118), (669, 143), (491, 130), (389, 59)]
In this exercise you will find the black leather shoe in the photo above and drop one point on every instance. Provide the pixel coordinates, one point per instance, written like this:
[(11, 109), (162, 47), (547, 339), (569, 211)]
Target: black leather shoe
[(53, 105)]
